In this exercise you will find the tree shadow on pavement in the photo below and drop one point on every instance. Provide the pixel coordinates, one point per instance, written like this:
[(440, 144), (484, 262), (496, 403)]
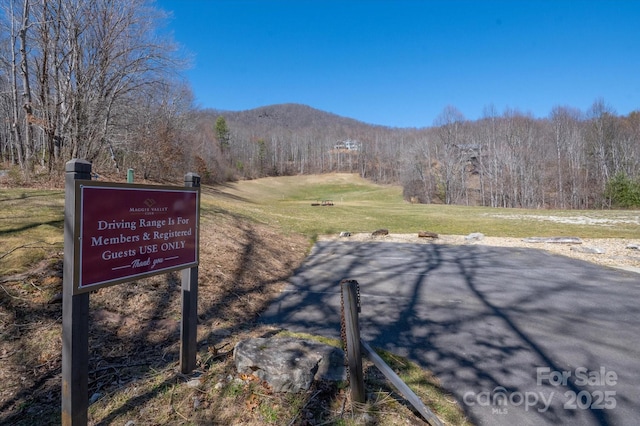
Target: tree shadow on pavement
[(495, 325)]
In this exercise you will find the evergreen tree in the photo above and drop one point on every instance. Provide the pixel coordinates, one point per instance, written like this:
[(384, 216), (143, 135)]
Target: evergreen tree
[(222, 134)]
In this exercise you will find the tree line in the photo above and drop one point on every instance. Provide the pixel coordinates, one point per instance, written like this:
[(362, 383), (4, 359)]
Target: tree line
[(89, 79), (568, 160), (99, 80)]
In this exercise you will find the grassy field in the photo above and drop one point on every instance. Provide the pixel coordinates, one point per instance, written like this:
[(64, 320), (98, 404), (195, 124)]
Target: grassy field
[(360, 206), (245, 257), (31, 225), (253, 236)]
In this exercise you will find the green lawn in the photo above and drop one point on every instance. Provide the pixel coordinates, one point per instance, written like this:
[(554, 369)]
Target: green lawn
[(360, 206)]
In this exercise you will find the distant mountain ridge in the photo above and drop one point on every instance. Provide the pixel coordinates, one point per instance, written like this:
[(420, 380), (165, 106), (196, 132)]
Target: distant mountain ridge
[(294, 117)]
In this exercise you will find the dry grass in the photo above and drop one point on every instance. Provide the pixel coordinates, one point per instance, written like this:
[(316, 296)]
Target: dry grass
[(253, 236), (134, 331), (134, 334), (31, 228)]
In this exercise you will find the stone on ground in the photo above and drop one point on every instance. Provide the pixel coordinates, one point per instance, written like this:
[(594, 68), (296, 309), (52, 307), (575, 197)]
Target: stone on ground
[(289, 364), (475, 236), (553, 240), (588, 250)]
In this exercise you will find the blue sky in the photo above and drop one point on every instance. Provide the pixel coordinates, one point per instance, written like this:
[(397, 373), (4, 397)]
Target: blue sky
[(400, 63)]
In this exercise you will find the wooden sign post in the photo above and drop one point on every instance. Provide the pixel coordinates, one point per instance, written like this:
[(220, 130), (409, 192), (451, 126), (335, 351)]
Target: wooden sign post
[(188, 328), (75, 311), (116, 233)]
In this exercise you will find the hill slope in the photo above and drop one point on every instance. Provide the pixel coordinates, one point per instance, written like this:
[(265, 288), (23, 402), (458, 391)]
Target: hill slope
[(294, 117)]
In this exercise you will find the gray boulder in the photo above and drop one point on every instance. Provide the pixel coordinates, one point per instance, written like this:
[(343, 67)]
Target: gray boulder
[(553, 240), (289, 364), (588, 250), (475, 236)]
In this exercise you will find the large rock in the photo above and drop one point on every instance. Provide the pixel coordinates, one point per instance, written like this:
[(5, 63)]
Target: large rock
[(475, 236), (380, 233), (427, 234), (553, 240), (289, 364), (588, 250)]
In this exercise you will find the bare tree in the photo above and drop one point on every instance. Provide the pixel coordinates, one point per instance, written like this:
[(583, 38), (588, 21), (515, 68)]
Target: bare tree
[(89, 61), (631, 149), (418, 167), (449, 154), (600, 142), (27, 102), (568, 159), (490, 158)]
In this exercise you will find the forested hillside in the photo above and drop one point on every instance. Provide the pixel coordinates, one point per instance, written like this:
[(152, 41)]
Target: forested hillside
[(570, 159), (97, 80)]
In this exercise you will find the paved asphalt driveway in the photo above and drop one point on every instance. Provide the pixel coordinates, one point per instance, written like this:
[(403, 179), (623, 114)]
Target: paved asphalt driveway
[(519, 336)]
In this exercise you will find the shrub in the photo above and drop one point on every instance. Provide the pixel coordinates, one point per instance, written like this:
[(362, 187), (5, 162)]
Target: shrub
[(623, 191)]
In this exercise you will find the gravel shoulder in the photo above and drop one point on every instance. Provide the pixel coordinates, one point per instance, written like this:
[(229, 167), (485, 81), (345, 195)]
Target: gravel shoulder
[(615, 252)]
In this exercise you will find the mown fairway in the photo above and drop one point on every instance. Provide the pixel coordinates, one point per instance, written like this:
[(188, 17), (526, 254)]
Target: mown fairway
[(360, 206)]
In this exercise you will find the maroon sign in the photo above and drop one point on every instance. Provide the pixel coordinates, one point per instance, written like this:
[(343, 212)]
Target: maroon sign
[(124, 232)]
